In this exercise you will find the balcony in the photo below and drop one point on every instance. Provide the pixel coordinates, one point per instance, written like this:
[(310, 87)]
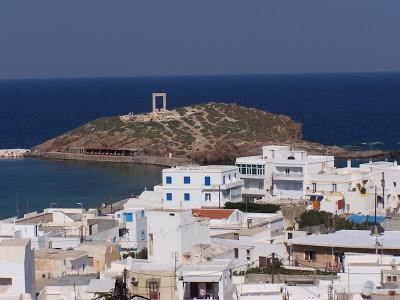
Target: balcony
[(226, 186), (288, 176), (253, 192), (252, 176)]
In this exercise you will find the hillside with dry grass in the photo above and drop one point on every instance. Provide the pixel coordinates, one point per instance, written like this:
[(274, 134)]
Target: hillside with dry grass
[(205, 133)]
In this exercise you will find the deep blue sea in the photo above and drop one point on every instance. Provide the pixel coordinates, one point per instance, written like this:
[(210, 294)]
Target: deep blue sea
[(358, 110)]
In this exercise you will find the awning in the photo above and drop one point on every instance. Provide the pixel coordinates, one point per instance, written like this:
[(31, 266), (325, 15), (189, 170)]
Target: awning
[(199, 278)]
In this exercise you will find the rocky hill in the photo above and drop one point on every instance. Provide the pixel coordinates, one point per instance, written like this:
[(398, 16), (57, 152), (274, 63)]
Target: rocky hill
[(205, 133)]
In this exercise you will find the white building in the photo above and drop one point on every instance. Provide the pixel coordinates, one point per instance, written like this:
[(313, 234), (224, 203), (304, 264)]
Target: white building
[(17, 269), (180, 263), (382, 270), (173, 232), (279, 171), (133, 228), (200, 186), (282, 173)]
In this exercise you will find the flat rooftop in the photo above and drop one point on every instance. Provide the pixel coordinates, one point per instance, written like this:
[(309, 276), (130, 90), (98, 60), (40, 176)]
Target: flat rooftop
[(14, 242), (199, 169), (58, 254), (358, 239)]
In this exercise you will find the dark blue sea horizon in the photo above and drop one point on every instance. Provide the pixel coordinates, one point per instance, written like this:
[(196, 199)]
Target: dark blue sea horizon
[(350, 109)]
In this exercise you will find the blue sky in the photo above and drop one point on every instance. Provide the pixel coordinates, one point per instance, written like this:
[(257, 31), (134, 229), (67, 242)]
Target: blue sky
[(46, 39)]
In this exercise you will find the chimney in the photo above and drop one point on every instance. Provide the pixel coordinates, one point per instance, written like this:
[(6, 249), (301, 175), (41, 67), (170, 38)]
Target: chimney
[(349, 163)]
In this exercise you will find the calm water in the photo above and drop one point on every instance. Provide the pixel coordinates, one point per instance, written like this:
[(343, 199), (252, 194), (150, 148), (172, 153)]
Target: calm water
[(32, 184), (359, 110)]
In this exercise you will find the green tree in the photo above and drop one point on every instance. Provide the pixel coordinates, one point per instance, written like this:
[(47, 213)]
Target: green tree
[(253, 207)]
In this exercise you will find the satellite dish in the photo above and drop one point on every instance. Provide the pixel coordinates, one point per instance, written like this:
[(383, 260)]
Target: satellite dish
[(368, 287)]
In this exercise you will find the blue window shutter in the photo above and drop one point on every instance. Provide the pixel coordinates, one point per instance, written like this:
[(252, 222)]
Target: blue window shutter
[(207, 181), (187, 197), (186, 180), (169, 196), (168, 180), (128, 217)]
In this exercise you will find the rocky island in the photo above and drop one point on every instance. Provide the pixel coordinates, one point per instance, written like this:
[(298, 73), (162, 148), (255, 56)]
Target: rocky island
[(204, 133)]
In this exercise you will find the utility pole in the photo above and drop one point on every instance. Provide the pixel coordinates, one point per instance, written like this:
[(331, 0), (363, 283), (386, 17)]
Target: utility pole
[(272, 269), (375, 205), (175, 277), (17, 204), (219, 195), (383, 188)]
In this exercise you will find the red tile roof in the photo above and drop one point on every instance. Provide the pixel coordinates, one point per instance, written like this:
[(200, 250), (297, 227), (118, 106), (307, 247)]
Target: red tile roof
[(212, 213)]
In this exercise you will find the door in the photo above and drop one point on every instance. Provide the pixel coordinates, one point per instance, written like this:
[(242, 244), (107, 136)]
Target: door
[(153, 291)]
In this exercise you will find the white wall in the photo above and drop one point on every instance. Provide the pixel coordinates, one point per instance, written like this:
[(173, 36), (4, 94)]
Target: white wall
[(174, 232), (17, 263), (225, 185)]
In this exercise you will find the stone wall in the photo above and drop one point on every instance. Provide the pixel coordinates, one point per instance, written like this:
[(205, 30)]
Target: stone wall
[(139, 159)]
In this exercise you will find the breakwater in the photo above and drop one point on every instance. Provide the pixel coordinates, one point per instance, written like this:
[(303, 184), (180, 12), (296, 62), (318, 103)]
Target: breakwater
[(12, 153)]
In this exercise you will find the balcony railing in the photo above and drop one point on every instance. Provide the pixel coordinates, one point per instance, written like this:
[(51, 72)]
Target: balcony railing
[(287, 175), (225, 186)]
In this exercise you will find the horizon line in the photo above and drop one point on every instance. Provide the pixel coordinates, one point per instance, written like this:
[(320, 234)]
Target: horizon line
[(199, 75)]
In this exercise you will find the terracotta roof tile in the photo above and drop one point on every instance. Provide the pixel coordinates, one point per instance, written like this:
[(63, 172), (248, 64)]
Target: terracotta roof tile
[(212, 213)]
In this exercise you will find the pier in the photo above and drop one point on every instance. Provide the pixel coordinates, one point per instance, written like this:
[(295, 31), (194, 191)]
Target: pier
[(102, 151), (12, 153)]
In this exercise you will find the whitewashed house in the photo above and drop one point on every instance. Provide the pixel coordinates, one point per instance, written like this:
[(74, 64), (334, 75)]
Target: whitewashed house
[(133, 225), (280, 171), (382, 270), (17, 269), (180, 263), (200, 186)]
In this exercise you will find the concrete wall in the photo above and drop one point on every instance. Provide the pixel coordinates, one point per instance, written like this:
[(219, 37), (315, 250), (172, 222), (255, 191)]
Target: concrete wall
[(166, 283), (18, 265), (220, 190), (174, 232)]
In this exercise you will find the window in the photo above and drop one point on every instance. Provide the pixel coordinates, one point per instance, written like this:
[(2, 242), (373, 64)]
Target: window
[(234, 175), (290, 235), (186, 179), (207, 197), (168, 180), (90, 261), (287, 171), (314, 187), (229, 176), (186, 196), (128, 217), (334, 187), (246, 185), (309, 255), (207, 181), (236, 252), (142, 235), (5, 281), (169, 196), (254, 169), (223, 180), (248, 251), (142, 213), (118, 216), (261, 185), (394, 183)]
